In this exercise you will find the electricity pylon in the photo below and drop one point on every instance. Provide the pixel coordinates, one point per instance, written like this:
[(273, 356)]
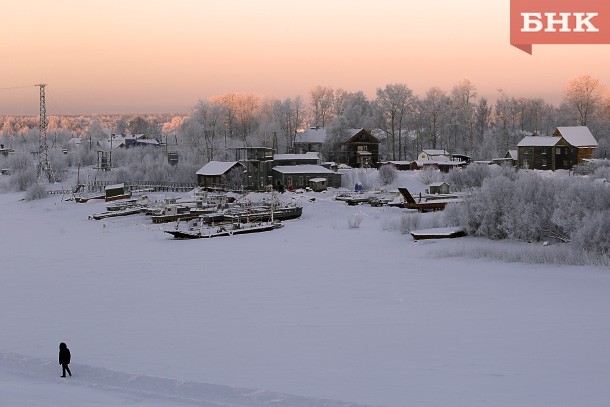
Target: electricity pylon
[(44, 165)]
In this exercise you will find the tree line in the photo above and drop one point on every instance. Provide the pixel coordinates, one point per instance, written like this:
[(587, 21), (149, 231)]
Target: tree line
[(457, 120)]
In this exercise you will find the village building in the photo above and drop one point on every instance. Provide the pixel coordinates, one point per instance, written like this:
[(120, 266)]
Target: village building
[(312, 158), (310, 140), (318, 184), (221, 175), (361, 149), (434, 155), (439, 188), (139, 140), (567, 147), (258, 162), (398, 165), (299, 176)]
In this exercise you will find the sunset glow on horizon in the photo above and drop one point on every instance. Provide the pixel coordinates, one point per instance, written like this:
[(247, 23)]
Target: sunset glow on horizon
[(159, 56)]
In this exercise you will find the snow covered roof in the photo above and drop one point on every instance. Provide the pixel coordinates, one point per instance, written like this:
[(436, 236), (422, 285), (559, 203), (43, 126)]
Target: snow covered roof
[(512, 154), (578, 136), (396, 162), (312, 135), (318, 180), (307, 156), (538, 141), (147, 141), (216, 168), (438, 184), (436, 152), (114, 186), (302, 169)]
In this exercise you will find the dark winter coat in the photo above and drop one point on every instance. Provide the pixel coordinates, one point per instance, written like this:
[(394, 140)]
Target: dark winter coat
[(64, 354)]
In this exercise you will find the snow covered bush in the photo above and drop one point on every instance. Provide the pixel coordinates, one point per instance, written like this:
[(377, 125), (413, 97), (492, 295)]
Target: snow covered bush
[(22, 180), (462, 179), (594, 233), (387, 174), (533, 208), (414, 220), (354, 221), (429, 175), (36, 191), (59, 164)]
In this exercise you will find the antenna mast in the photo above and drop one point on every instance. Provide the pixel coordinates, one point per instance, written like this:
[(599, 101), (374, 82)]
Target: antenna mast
[(44, 166)]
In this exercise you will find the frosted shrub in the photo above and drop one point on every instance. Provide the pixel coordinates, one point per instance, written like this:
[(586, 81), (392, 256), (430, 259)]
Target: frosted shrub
[(387, 174), (474, 175), (20, 162), (414, 221), (36, 191), (59, 165), (429, 175), (22, 180), (354, 221), (594, 233)]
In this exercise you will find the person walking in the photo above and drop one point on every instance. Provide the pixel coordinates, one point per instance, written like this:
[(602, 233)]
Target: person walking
[(64, 359)]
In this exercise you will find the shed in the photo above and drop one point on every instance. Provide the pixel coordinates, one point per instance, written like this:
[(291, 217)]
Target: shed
[(317, 184), (439, 188)]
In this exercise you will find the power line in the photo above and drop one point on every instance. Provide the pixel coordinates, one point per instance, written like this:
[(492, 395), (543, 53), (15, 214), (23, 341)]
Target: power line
[(18, 87)]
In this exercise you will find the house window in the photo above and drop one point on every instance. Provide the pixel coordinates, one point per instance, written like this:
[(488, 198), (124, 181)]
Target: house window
[(362, 148), (558, 151)]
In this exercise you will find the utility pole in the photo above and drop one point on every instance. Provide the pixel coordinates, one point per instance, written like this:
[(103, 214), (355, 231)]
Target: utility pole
[(44, 166)]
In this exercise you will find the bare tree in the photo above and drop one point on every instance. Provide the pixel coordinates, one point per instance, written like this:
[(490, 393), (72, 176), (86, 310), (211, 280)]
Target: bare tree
[(462, 102), (434, 109), (394, 103), (584, 95), (322, 99)]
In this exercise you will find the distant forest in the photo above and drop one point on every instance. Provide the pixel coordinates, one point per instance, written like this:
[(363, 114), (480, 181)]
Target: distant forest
[(456, 120)]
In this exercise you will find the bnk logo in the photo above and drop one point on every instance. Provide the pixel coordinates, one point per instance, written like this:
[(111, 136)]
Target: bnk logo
[(559, 22)]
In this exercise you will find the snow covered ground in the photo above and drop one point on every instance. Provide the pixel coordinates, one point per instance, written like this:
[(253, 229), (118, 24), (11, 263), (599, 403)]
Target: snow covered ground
[(313, 314)]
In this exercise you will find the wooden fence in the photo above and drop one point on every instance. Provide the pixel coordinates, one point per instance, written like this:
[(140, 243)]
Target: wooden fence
[(99, 186)]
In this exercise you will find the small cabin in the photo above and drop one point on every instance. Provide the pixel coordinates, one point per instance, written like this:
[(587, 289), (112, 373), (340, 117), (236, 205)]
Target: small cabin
[(318, 184), (439, 188)]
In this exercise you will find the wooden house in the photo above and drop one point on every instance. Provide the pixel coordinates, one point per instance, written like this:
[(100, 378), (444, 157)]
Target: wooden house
[(299, 176), (361, 149), (581, 138), (568, 147), (310, 140), (398, 165), (312, 158), (221, 175), (258, 162)]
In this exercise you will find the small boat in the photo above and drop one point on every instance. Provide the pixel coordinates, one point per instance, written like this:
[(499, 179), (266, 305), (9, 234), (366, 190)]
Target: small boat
[(113, 214), (177, 212), (201, 230), (438, 233)]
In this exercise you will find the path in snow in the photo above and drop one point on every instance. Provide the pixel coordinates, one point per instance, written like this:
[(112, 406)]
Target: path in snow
[(146, 389)]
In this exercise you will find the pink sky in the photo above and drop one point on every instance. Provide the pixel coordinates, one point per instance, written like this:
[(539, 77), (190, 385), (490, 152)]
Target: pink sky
[(152, 56)]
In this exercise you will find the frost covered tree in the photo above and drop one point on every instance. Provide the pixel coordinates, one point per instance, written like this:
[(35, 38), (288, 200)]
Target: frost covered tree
[(322, 102), (395, 104), (434, 114), (387, 174), (584, 96)]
